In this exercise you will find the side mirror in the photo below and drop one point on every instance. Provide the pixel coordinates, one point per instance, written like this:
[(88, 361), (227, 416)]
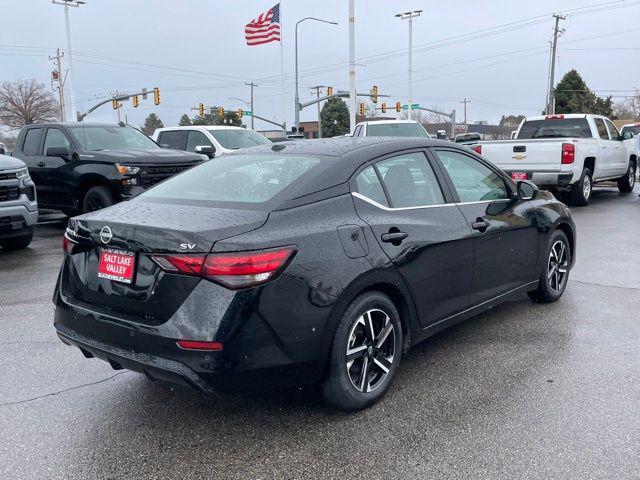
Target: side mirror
[(58, 152), (627, 135), (208, 150), (526, 190)]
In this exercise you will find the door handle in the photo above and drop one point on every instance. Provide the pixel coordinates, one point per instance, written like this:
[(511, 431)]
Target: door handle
[(480, 224), (395, 238), (41, 164)]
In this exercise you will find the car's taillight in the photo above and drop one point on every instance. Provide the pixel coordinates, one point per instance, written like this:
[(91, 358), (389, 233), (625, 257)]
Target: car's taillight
[(478, 149), (233, 270), (568, 153), (67, 244), (197, 345)]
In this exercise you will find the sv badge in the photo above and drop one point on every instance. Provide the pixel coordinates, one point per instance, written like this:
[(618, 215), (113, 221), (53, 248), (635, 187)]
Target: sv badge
[(187, 246)]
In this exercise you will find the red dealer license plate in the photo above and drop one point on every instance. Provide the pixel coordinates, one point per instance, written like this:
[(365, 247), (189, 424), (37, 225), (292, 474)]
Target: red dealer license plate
[(116, 265), (519, 175)]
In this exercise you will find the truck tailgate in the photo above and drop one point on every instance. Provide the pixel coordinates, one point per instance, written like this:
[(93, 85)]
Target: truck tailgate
[(542, 155)]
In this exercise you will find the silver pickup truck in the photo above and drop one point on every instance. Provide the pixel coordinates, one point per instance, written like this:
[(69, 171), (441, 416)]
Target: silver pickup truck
[(566, 153), (18, 205)]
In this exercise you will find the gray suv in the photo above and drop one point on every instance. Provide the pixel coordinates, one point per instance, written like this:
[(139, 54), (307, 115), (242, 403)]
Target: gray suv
[(18, 206)]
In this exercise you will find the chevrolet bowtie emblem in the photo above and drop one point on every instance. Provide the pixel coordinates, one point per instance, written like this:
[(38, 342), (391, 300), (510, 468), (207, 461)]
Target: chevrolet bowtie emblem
[(519, 156)]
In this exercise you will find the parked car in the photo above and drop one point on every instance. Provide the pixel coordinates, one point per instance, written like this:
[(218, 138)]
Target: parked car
[(81, 167), (568, 153), (631, 135), (306, 262), (470, 138), (18, 205), (212, 140), (390, 128)]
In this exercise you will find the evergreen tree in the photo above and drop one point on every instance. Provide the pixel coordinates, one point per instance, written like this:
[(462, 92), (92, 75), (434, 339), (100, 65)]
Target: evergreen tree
[(572, 95), (184, 120), (335, 118), (151, 123)]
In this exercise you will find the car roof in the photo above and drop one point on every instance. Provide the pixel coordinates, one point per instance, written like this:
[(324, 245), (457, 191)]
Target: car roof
[(387, 121), (201, 127), (75, 124)]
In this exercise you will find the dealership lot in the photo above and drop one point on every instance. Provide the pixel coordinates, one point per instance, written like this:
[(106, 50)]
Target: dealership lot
[(523, 390)]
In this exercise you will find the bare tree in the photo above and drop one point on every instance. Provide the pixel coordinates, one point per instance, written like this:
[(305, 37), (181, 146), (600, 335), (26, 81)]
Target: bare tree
[(24, 102), (629, 108)]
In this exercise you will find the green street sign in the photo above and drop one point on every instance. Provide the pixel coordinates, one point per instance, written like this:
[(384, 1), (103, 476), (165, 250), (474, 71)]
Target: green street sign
[(413, 106), (248, 113)]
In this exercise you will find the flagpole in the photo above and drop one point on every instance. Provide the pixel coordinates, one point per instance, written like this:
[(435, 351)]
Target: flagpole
[(283, 108)]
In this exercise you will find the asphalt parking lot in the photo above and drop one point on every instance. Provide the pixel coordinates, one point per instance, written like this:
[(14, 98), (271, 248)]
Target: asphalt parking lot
[(523, 391)]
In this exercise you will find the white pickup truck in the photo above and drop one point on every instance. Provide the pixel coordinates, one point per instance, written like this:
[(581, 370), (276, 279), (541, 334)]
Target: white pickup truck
[(566, 153)]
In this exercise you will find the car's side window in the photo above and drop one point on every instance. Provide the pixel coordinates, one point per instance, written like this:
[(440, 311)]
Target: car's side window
[(55, 138), (614, 134), (474, 181), (369, 185), (31, 145), (602, 129), (410, 181), (195, 139), (173, 138)]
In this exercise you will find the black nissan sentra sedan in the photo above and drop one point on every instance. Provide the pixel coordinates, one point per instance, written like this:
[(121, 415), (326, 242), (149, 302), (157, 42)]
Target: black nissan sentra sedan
[(309, 262)]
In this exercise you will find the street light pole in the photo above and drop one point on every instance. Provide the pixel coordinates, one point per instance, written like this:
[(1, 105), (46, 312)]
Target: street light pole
[(251, 84), (352, 66), (317, 89), (410, 16), (297, 96), (67, 4)]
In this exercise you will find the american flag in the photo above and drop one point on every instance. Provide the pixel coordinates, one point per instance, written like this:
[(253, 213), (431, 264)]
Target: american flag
[(265, 28)]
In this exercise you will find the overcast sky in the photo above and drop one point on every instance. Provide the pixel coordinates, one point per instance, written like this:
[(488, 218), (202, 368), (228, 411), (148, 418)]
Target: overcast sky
[(195, 51)]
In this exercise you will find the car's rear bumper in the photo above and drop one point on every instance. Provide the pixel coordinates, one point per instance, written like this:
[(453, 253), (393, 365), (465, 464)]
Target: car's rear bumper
[(550, 179)]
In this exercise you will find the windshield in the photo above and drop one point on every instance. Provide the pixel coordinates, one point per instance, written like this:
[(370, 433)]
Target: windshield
[(555, 128), (635, 129), (235, 178), (396, 130), (95, 138), (235, 139)]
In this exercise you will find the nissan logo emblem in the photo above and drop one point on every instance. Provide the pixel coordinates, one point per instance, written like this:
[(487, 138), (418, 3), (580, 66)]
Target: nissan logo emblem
[(105, 234)]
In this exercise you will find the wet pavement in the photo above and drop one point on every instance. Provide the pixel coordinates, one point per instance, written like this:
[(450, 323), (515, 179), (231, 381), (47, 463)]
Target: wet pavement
[(522, 391)]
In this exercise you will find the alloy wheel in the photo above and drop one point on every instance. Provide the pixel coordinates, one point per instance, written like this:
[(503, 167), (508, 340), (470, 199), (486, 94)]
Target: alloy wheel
[(558, 266), (586, 187), (632, 176), (370, 350)]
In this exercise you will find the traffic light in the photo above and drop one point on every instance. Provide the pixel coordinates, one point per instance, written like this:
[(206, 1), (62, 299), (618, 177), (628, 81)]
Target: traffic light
[(156, 95), (201, 109), (329, 91), (383, 107), (374, 94), (116, 104), (239, 113), (221, 111), (135, 101), (362, 108), (398, 106)]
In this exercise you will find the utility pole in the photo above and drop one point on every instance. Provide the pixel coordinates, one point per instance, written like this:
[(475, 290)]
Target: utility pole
[(465, 101), (410, 16), (551, 108), (57, 75), (352, 66), (317, 89), (67, 4), (251, 84)]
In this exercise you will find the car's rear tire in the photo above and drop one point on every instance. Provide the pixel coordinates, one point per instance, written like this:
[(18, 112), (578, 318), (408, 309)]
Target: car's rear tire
[(555, 271), (365, 353), (17, 243), (97, 198), (628, 180), (580, 193)]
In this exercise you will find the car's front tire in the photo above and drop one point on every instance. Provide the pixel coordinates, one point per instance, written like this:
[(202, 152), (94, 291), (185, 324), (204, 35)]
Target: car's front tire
[(366, 351), (628, 180), (97, 198), (580, 193), (555, 271), (17, 243)]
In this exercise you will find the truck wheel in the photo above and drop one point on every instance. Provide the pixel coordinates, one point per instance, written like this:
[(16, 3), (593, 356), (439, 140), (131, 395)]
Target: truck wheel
[(97, 198), (17, 243), (628, 180), (555, 271), (365, 354), (580, 193)]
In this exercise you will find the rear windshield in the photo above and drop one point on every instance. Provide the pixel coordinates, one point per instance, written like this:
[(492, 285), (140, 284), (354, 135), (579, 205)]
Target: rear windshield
[(555, 128), (235, 139), (111, 138), (396, 130), (235, 178), (633, 129)]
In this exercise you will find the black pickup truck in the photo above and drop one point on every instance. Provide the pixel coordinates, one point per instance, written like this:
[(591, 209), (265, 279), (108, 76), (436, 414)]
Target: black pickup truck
[(81, 167)]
